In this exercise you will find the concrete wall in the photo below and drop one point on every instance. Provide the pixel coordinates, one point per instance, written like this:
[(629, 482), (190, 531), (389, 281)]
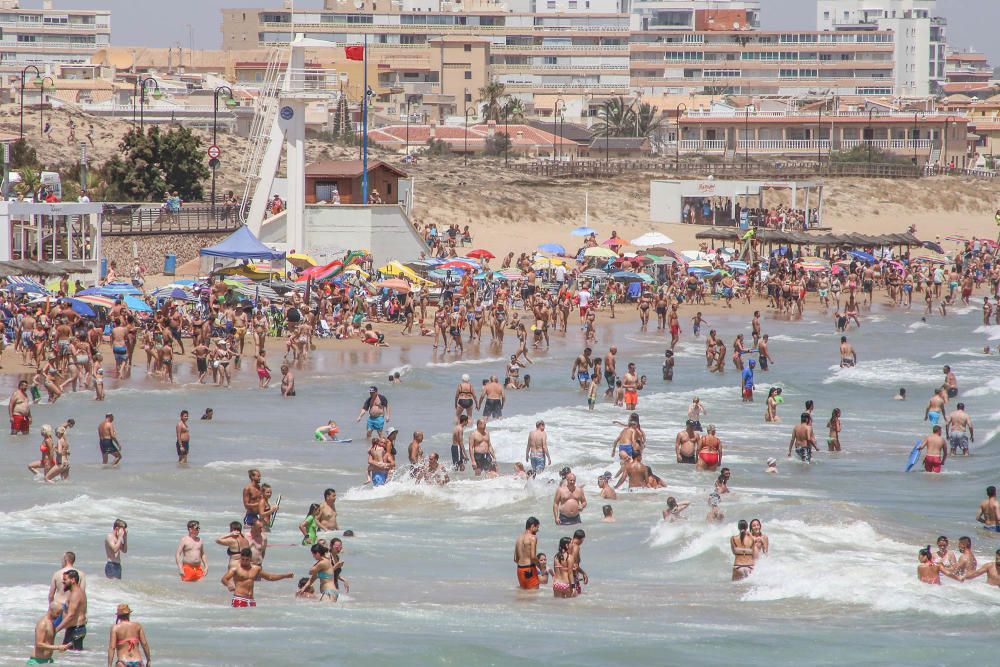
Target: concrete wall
[(384, 231), (152, 249)]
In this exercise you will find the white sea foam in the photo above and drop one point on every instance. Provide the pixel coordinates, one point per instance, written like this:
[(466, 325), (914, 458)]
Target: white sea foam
[(465, 362), (992, 331), (884, 372)]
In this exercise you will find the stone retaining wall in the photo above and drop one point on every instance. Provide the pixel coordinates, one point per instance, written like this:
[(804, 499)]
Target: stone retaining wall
[(151, 250)]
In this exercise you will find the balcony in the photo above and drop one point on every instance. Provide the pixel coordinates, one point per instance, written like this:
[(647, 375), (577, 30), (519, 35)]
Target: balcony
[(791, 146), (434, 29), (560, 68), (583, 48)]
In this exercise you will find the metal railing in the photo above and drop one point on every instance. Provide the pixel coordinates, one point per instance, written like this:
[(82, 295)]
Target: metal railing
[(436, 28), (595, 68), (939, 116), (560, 47), (153, 219), (795, 170)]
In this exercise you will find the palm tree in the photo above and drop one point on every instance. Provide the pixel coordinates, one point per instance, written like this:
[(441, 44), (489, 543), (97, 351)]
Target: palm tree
[(616, 119), (647, 120), (513, 109), (31, 182), (489, 97)]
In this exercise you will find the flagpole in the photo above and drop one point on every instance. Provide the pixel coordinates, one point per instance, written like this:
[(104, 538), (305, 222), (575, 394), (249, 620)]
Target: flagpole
[(364, 128)]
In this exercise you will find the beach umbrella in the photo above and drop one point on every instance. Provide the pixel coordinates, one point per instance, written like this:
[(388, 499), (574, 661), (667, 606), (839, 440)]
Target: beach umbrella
[(693, 255), (737, 265), (508, 274), (863, 256), (625, 275), (119, 289), (548, 262), (137, 304), (81, 308), (96, 300), (583, 231), (458, 264), (594, 274), (442, 274), (300, 260), (698, 271), (700, 264), (930, 260), (651, 239), (931, 245), (552, 248), (397, 284), (479, 253), (600, 252), (645, 277)]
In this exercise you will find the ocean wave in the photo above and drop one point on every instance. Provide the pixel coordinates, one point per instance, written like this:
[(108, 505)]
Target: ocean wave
[(885, 373)]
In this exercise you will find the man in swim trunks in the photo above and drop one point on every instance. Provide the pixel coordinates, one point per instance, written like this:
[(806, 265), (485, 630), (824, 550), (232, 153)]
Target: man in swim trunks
[(991, 570), (636, 472), (935, 411), (327, 518), (568, 502), (190, 555), (848, 357), (252, 493), (803, 440), (492, 398), (74, 617), (537, 451), (710, 451), (674, 323), (630, 385), (747, 380), (989, 511), (19, 409), (45, 635), (950, 382), (183, 433), (582, 367), (379, 464), (687, 444), (958, 422), (936, 451), (610, 373), (465, 397), (377, 408), (243, 577), (763, 356), (115, 544), (481, 449), (458, 453), (107, 435), (525, 554)]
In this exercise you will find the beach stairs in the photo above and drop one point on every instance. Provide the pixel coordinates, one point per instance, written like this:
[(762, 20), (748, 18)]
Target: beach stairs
[(261, 160), (935, 155), (730, 155)]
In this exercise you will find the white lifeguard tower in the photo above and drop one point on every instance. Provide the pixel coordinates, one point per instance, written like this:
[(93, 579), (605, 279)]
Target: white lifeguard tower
[(279, 129)]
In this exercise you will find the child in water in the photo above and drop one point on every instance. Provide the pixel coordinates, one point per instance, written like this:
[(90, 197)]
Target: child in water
[(619, 394), (592, 392), (668, 366)]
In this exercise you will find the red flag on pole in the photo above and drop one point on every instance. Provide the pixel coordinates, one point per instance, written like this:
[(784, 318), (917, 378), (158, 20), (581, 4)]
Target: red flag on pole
[(354, 52)]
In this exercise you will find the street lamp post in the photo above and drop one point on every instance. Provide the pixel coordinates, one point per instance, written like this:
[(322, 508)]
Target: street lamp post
[(819, 141), (407, 126), (746, 145), (506, 131), (140, 90), (38, 80), (871, 136), (677, 144), (557, 114), (41, 104), (466, 151), (230, 102), (913, 138)]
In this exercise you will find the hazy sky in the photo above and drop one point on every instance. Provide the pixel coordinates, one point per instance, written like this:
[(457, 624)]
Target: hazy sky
[(165, 22)]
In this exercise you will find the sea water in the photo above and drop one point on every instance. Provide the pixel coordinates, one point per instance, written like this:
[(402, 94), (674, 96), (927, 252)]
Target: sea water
[(431, 568)]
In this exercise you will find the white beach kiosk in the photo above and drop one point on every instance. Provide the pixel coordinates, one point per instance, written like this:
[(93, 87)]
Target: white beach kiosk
[(667, 199)]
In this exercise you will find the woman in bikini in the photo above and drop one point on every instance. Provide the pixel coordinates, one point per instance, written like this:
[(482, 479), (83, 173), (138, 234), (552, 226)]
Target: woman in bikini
[(771, 413), (930, 572), (562, 586), (833, 439), (235, 542), (742, 546), (760, 541), (126, 638), (322, 569)]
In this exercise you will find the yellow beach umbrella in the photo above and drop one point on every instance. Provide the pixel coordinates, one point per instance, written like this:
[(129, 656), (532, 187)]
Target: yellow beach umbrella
[(300, 260), (598, 251)]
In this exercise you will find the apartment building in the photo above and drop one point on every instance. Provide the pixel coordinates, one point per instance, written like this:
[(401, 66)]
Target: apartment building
[(920, 37), (856, 62), (48, 36)]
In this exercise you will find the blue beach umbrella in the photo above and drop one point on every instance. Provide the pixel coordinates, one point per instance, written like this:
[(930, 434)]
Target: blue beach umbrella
[(553, 248), (583, 231), (138, 305), (863, 256), (80, 308)]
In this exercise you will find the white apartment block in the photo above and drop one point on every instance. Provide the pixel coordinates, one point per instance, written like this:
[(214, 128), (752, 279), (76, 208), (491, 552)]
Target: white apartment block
[(48, 37), (920, 40)]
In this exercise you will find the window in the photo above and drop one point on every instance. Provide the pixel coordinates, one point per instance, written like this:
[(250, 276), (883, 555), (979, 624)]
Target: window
[(468, 74), (468, 97), (572, 4), (467, 47), (26, 38), (826, 15), (550, 4)]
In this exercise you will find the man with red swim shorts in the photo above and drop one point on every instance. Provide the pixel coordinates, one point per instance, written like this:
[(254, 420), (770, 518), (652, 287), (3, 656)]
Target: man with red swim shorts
[(525, 554), (935, 451), (19, 409), (583, 298), (243, 576), (710, 454)]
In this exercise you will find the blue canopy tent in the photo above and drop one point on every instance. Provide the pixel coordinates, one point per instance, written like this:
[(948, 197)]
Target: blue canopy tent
[(241, 244), (863, 256)]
